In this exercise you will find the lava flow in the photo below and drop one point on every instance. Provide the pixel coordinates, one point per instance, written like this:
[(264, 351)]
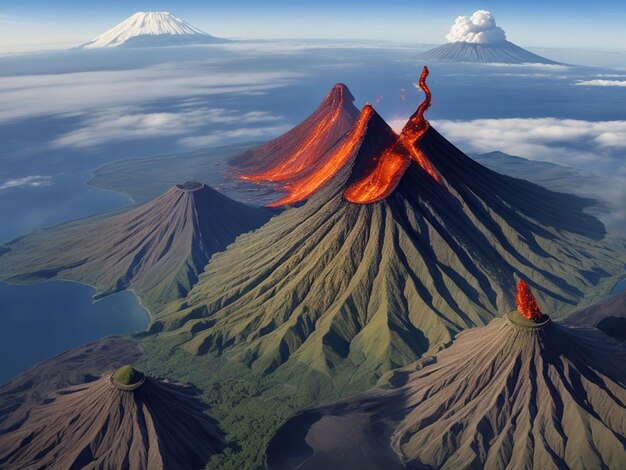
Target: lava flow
[(308, 154), (394, 161), (526, 302), (307, 185)]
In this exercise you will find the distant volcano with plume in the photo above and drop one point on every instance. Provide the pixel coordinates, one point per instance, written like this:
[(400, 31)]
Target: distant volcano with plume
[(478, 39), (158, 249), (518, 393), (121, 420), (145, 29), (401, 242)]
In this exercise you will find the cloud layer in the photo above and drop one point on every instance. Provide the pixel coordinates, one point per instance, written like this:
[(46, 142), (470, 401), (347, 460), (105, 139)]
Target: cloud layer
[(31, 181), (602, 83), (129, 123), (67, 93), (480, 28)]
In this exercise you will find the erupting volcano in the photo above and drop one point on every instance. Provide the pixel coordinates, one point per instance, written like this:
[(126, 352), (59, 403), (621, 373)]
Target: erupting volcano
[(121, 420), (338, 292), (476, 38), (394, 161), (158, 248), (304, 149), (513, 394)]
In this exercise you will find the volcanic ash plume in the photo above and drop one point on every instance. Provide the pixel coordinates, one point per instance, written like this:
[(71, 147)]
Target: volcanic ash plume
[(480, 28)]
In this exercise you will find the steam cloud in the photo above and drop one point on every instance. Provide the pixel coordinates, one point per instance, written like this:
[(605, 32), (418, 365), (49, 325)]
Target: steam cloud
[(480, 28)]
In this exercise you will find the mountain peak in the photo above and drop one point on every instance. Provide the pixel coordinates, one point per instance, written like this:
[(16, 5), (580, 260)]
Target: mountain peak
[(304, 148), (158, 248), (149, 29), (523, 387), (161, 424)]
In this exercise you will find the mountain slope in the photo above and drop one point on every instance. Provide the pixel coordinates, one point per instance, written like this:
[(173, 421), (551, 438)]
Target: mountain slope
[(502, 52), (306, 146), (609, 316), (157, 249), (151, 29), (508, 395), (346, 291), (149, 424)]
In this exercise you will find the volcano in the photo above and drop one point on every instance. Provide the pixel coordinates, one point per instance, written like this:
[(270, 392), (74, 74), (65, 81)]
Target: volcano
[(477, 38), (145, 29), (609, 315), (306, 147), (341, 292), (501, 53), (121, 420), (158, 249), (518, 393)]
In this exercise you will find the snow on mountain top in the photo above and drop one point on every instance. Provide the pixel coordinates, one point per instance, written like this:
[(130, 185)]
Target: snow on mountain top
[(145, 24)]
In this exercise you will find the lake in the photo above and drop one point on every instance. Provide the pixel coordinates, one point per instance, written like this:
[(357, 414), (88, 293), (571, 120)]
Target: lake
[(41, 320)]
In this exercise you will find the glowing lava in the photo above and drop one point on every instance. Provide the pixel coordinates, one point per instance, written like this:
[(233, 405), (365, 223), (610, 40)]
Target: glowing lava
[(526, 302), (394, 161), (302, 188), (307, 155)]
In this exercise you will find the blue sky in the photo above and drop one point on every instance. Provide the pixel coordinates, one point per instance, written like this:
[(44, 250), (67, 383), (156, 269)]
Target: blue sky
[(572, 23)]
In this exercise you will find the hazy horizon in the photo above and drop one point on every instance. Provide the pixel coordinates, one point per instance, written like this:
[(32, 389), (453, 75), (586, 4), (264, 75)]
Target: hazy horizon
[(34, 25)]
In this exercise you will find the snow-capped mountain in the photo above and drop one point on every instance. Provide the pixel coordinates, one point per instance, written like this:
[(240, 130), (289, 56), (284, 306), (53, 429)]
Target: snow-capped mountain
[(151, 29)]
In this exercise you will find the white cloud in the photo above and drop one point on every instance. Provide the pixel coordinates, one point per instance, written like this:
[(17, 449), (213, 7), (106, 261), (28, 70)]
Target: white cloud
[(127, 123), (480, 28), (542, 138), (32, 181), (243, 133), (601, 83), (28, 96)]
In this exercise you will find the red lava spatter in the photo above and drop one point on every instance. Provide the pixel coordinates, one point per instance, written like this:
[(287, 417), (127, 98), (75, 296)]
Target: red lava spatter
[(526, 302)]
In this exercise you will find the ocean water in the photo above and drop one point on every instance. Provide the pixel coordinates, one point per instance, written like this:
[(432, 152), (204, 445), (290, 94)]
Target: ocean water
[(41, 320)]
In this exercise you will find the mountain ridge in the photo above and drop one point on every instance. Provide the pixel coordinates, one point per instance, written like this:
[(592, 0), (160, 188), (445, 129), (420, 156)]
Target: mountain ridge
[(158, 249), (341, 287), (501, 395)]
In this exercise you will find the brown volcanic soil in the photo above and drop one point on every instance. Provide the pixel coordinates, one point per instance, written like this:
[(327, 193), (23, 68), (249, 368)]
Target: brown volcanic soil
[(76, 366), (98, 425), (608, 315), (305, 146), (501, 396), (158, 249)]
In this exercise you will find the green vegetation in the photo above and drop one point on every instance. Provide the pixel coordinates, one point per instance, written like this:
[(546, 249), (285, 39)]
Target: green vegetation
[(249, 408), (127, 375)]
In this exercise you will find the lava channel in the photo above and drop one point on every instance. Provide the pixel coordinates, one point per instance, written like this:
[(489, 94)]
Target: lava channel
[(302, 188), (307, 155), (394, 161)]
